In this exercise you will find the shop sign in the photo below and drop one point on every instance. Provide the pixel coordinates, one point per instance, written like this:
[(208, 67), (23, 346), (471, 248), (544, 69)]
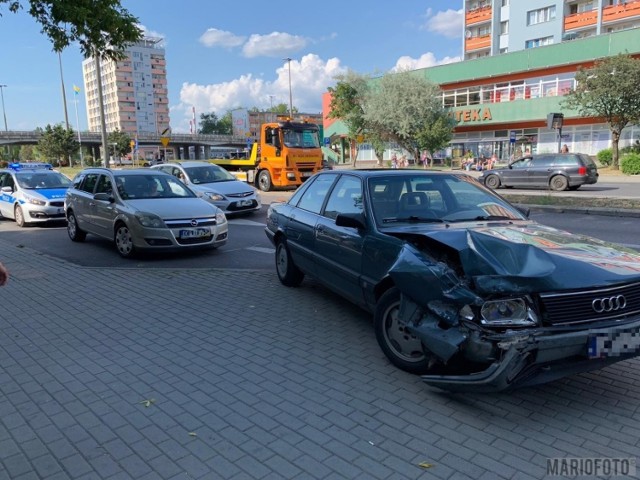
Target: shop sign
[(472, 115)]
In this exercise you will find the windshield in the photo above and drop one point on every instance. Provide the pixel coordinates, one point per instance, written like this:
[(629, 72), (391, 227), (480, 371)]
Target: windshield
[(301, 138), (208, 174), (40, 180), (435, 199), (151, 186)]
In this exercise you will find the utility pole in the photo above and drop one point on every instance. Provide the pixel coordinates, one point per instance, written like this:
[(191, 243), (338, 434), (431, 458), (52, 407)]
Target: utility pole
[(288, 60), (103, 126)]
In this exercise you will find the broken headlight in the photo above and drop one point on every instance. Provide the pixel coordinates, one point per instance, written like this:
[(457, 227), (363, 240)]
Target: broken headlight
[(511, 312)]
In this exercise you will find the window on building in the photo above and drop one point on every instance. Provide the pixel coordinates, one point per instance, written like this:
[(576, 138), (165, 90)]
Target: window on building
[(541, 15), (505, 3), (504, 27), (538, 42)]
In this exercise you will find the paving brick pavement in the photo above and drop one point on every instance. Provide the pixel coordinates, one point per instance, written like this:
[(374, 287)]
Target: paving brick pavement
[(216, 374)]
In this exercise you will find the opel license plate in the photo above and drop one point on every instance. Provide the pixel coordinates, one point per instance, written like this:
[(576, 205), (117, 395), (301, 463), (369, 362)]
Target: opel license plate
[(195, 233)]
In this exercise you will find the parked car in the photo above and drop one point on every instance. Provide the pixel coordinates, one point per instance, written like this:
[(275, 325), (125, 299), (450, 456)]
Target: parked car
[(32, 193), (465, 289), (141, 209), (215, 185), (557, 171)]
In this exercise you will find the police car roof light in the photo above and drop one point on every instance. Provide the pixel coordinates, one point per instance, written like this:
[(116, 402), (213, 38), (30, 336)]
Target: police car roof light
[(31, 166)]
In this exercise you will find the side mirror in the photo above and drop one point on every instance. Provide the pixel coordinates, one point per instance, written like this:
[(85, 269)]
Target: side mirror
[(526, 211), (6, 190), (352, 220), (105, 197)]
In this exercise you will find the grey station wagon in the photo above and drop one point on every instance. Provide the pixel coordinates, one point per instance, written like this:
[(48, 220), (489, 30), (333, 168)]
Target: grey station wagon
[(557, 171)]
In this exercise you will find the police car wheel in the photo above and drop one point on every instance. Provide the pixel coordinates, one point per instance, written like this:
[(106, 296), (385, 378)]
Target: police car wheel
[(75, 234), (19, 216)]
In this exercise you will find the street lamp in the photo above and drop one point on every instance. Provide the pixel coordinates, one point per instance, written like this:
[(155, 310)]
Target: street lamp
[(288, 60), (4, 114)]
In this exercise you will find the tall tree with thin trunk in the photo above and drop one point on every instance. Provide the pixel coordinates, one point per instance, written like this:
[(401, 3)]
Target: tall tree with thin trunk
[(609, 90)]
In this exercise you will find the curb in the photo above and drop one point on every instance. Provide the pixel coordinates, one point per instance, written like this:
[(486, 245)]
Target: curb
[(611, 212)]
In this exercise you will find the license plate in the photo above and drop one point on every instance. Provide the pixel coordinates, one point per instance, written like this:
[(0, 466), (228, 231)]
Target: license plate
[(306, 174), (609, 344), (195, 233), (244, 203)]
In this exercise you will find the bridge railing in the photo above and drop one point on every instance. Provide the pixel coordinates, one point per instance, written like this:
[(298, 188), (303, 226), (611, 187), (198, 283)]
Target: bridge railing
[(182, 138)]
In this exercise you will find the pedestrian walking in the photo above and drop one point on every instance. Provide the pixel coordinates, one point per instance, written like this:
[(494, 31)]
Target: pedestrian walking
[(564, 149)]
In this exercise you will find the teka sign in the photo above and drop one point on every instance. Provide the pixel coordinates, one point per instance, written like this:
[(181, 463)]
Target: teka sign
[(472, 115)]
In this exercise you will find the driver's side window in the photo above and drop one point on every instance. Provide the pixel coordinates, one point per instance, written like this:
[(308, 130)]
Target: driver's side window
[(346, 197)]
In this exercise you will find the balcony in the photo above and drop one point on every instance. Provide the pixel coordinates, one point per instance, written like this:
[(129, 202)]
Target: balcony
[(580, 20), (477, 43), (478, 15), (615, 13)]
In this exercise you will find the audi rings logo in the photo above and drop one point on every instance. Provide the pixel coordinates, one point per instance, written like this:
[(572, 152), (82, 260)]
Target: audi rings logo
[(609, 304)]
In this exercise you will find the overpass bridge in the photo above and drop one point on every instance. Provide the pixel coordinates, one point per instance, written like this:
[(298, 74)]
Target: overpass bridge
[(179, 143)]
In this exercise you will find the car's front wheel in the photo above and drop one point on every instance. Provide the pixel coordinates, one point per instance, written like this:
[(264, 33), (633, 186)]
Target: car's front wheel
[(74, 231), (124, 241), (492, 181), (19, 216), (558, 183), (288, 274), (400, 346)]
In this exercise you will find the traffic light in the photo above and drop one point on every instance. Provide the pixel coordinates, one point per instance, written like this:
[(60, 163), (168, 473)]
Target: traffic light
[(554, 120)]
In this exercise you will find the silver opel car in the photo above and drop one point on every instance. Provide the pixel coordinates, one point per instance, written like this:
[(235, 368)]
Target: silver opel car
[(216, 185), (141, 209)]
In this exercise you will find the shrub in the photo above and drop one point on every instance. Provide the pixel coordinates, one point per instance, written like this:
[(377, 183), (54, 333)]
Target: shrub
[(605, 157), (630, 164)]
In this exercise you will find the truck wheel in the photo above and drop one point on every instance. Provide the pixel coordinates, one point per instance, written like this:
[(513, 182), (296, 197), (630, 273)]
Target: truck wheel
[(264, 180)]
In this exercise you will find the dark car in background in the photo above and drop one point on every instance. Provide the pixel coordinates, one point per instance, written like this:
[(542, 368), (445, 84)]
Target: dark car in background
[(465, 289), (557, 171)]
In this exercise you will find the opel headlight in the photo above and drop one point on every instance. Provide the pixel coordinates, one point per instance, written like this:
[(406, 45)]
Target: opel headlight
[(35, 201), (150, 220), (511, 312), (220, 217)]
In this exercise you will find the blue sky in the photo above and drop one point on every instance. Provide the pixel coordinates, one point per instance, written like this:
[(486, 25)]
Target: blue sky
[(223, 55)]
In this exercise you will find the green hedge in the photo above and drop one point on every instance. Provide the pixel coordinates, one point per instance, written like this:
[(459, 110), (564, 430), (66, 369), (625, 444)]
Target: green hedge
[(605, 157), (630, 164)]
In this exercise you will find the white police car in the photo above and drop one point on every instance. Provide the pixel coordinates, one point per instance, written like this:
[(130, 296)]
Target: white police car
[(32, 193)]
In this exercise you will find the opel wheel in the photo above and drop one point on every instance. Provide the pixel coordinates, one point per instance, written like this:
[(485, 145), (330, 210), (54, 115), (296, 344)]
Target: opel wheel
[(75, 233), (124, 241)]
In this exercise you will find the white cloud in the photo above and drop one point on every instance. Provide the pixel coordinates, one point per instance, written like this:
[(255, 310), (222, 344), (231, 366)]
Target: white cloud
[(447, 23), (310, 77), (221, 38), (274, 44), (426, 60)]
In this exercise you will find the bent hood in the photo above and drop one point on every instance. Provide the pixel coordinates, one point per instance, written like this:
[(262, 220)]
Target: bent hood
[(528, 258)]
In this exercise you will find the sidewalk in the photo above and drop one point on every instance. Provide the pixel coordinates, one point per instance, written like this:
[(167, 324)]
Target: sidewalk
[(214, 374)]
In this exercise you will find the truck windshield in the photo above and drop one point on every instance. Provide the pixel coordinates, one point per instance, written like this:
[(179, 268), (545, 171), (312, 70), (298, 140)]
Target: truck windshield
[(301, 138)]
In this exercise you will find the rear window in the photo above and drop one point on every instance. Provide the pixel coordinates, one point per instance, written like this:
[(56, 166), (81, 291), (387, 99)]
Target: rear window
[(586, 159)]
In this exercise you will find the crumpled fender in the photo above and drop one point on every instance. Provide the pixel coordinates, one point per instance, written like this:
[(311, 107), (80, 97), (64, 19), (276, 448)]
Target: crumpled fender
[(425, 280)]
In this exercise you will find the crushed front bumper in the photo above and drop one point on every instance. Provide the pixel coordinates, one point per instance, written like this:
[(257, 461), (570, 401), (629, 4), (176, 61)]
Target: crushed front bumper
[(531, 359)]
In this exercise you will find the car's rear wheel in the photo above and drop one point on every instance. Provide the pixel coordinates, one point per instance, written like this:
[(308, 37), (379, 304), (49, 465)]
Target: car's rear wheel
[(124, 241), (18, 214), (402, 348), (288, 274), (264, 180), (74, 231), (558, 183), (492, 181)]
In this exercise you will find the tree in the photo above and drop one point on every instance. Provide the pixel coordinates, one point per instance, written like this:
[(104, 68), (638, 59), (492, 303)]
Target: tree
[(210, 124), (608, 90), (347, 104), (57, 143), (407, 109), (101, 26), (120, 142)]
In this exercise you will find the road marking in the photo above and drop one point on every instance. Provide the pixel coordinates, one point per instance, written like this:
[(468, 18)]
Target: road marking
[(242, 221), (262, 249)]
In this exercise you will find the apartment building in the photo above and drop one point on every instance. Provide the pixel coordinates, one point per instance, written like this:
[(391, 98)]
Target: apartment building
[(134, 90), (492, 27)]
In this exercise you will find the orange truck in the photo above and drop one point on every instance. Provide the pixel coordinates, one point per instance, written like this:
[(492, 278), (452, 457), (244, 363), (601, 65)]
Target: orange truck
[(287, 153)]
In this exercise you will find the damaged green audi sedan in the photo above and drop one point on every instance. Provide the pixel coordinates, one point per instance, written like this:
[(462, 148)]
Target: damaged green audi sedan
[(465, 289)]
